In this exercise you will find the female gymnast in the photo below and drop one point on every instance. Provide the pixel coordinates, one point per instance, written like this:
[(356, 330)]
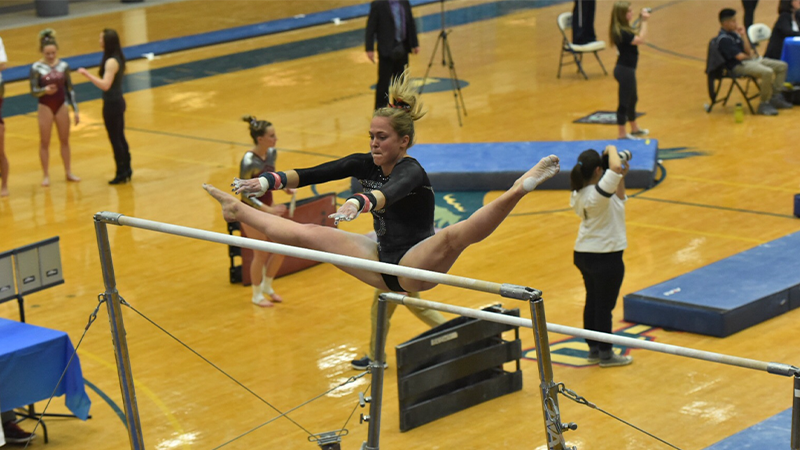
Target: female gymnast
[(259, 160), (398, 194), (51, 83)]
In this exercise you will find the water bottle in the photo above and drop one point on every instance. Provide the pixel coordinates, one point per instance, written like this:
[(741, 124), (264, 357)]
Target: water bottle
[(738, 113)]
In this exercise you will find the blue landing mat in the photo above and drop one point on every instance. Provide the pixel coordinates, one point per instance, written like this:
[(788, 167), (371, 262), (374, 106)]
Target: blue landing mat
[(727, 296), (495, 166), (773, 433)]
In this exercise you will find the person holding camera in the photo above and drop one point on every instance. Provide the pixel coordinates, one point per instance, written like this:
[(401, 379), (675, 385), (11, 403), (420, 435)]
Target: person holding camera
[(627, 40), (392, 24), (598, 198)]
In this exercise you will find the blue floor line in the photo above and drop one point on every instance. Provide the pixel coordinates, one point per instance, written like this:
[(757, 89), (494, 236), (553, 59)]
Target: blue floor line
[(108, 400), (214, 37), (24, 104)]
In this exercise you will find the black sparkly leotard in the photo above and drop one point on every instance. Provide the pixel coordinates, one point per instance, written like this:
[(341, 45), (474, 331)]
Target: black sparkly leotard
[(407, 217)]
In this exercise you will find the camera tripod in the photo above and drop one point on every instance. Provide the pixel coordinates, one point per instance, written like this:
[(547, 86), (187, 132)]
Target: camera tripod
[(447, 60)]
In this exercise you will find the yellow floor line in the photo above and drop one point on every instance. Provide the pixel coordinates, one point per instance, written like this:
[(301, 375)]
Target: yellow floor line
[(141, 387)]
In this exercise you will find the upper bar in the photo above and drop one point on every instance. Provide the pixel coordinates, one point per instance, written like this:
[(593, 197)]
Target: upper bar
[(314, 255)]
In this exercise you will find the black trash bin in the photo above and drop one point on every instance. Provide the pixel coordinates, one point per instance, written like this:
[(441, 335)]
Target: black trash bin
[(51, 8)]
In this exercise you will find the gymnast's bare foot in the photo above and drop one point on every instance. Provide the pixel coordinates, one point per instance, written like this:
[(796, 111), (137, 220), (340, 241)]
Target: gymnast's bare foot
[(276, 298), (230, 204), (72, 177), (262, 302), (46, 181), (4, 192), (545, 169)]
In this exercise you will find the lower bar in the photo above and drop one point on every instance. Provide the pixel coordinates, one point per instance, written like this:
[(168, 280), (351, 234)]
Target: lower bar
[(796, 414), (774, 368)]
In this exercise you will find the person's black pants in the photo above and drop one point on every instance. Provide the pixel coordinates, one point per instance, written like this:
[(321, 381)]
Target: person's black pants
[(583, 22), (388, 68), (626, 77), (602, 275), (114, 118), (749, 12)]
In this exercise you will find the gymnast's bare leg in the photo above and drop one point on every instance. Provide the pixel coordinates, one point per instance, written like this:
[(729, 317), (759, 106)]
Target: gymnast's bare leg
[(437, 253), (440, 251), (311, 236)]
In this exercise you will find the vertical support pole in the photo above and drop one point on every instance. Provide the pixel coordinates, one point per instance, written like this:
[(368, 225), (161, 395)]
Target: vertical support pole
[(376, 368), (796, 414), (21, 302), (118, 338), (552, 416)]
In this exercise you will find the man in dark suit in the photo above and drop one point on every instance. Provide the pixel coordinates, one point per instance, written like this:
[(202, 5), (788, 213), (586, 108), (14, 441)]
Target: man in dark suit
[(391, 22)]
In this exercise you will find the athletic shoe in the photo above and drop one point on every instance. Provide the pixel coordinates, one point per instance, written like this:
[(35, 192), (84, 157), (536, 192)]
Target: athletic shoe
[(779, 102), (641, 133), (630, 137), (614, 360), (594, 356), (765, 109), (363, 363), (15, 434)]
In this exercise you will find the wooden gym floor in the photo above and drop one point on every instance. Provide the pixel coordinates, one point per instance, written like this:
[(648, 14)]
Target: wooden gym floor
[(728, 188)]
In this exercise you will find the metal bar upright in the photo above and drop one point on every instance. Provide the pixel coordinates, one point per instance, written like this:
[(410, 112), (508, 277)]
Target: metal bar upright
[(118, 338), (552, 416), (796, 413), (377, 369)]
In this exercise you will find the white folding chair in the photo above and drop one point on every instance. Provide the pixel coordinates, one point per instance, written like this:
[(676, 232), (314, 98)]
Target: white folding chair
[(575, 50), (757, 33)]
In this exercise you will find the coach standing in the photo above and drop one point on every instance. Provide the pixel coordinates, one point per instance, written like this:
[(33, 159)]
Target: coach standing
[(392, 24)]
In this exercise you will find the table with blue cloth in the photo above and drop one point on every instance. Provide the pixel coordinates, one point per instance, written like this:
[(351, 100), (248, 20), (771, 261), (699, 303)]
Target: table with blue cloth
[(791, 55), (32, 360)]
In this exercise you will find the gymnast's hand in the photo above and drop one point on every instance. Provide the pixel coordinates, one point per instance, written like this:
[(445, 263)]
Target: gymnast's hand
[(347, 212), (251, 187)]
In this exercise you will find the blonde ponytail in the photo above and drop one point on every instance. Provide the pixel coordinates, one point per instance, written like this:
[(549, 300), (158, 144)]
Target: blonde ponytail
[(404, 107)]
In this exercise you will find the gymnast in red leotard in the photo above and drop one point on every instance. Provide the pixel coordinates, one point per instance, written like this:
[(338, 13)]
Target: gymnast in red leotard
[(51, 83)]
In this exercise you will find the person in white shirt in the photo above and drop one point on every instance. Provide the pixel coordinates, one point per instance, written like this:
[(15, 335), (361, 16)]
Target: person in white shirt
[(598, 197), (3, 159)]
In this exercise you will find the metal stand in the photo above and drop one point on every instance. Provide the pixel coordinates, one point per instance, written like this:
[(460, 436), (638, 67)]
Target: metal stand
[(118, 331), (447, 60), (376, 369), (796, 413), (552, 416)]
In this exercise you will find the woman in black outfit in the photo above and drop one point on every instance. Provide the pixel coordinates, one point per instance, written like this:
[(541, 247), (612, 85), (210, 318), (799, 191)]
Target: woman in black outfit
[(749, 12), (786, 26), (627, 41), (112, 69)]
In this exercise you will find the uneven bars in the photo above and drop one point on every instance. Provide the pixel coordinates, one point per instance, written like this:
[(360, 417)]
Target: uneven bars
[(774, 368), (505, 290)]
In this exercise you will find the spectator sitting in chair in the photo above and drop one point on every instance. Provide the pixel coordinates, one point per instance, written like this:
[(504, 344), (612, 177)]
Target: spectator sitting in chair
[(742, 61)]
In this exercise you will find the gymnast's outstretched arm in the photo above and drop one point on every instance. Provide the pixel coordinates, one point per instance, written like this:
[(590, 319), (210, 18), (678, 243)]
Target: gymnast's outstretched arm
[(349, 166)]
